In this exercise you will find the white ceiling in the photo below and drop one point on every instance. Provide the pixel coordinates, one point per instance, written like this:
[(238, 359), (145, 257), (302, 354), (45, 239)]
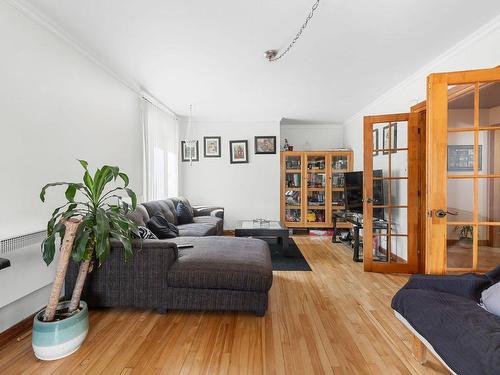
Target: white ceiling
[(210, 53)]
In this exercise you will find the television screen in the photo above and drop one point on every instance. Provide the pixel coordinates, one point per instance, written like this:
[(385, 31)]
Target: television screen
[(354, 192)]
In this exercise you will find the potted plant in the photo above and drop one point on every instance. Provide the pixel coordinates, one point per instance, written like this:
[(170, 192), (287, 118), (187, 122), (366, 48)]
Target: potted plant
[(464, 233), (92, 215)]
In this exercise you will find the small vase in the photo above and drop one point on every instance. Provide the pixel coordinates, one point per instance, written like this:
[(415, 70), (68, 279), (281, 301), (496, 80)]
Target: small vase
[(58, 339)]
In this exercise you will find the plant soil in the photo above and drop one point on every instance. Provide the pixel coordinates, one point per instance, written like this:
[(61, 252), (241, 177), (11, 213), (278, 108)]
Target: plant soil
[(61, 314)]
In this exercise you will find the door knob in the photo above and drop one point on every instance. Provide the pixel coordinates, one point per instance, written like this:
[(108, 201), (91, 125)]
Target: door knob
[(369, 201), (442, 213)]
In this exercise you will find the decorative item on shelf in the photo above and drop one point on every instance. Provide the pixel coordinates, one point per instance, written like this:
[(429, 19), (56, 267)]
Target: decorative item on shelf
[(238, 151), (211, 147), (286, 146), (274, 54), (265, 145), (91, 216), (189, 146), (390, 138)]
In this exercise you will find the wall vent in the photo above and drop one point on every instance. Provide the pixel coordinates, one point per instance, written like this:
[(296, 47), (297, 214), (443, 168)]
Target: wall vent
[(12, 244)]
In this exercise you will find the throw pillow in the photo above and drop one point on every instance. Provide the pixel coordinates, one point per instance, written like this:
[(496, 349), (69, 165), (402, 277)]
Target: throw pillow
[(162, 228), (184, 214), (490, 299), (145, 234)]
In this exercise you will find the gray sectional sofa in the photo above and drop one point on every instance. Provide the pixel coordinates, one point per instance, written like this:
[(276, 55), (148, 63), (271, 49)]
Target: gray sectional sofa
[(216, 274)]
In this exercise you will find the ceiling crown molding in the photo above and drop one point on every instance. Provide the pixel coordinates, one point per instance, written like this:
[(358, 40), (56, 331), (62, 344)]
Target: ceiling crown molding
[(429, 67), (42, 20)]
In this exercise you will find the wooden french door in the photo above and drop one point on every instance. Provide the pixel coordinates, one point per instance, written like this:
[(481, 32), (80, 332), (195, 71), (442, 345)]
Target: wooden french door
[(463, 171), (390, 182)]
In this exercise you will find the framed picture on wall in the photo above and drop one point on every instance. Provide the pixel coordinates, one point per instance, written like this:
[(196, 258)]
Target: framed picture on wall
[(375, 142), (211, 147), (238, 151), (265, 145), (189, 153), (390, 138)]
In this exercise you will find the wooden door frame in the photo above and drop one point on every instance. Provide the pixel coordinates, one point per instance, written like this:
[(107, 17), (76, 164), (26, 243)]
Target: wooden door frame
[(412, 263), (438, 94)]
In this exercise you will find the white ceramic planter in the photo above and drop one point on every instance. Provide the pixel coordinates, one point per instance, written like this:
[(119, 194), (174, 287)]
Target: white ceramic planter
[(55, 340)]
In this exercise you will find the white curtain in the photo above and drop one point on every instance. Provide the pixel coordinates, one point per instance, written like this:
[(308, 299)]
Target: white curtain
[(161, 164)]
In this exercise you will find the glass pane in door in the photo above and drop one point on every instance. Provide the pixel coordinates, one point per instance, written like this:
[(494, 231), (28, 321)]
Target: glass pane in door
[(459, 246), (460, 200), (488, 247)]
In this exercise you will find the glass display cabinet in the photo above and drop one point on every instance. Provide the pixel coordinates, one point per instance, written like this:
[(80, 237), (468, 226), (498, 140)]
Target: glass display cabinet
[(312, 187)]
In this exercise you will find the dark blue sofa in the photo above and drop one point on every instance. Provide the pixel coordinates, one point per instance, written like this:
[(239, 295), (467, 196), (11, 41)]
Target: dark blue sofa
[(443, 312)]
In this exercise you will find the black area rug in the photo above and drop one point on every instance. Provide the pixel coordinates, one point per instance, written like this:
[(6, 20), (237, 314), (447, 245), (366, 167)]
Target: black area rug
[(292, 261)]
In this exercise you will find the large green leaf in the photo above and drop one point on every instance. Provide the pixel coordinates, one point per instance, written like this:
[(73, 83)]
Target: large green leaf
[(89, 183), (70, 193), (127, 245), (83, 163), (81, 240), (48, 249), (133, 197), (44, 189), (124, 177), (101, 229)]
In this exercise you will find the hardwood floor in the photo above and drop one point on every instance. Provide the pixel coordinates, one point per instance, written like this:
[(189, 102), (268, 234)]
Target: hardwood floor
[(334, 320)]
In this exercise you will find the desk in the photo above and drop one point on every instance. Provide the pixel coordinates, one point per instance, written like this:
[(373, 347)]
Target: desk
[(357, 224)]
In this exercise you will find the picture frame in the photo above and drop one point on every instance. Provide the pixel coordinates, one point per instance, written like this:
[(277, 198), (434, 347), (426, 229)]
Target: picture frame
[(392, 129), (375, 142), (211, 147), (186, 152), (238, 151), (265, 145), (461, 158)]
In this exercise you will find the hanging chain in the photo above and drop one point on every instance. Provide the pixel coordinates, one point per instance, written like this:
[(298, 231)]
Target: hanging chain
[(299, 33)]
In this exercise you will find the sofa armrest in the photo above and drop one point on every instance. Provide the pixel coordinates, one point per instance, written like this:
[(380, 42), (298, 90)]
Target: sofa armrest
[(139, 281), (469, 285), (209, 211)]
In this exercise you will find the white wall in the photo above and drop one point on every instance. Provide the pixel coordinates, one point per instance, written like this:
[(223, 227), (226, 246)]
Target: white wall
[(245, 190), (311, 137), (480, 50), (56, 106)]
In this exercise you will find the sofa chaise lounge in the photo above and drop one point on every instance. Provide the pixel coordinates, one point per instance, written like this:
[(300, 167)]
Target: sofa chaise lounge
[(216, 274), (444, 315)]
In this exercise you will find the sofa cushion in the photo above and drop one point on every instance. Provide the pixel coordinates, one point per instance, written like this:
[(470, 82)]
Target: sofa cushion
[(222, 263), (184, 214), (139, 216), (211, 220), (196, 230), (162, 228), (144, 234), (164, 208), (463, 334), (490, 299), (175, 201)]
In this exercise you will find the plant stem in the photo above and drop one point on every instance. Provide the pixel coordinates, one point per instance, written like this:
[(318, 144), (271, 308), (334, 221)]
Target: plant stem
[(62, 266), (80, 282)]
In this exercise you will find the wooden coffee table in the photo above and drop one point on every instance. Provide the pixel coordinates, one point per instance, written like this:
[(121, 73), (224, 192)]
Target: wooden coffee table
[(251, 228)]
